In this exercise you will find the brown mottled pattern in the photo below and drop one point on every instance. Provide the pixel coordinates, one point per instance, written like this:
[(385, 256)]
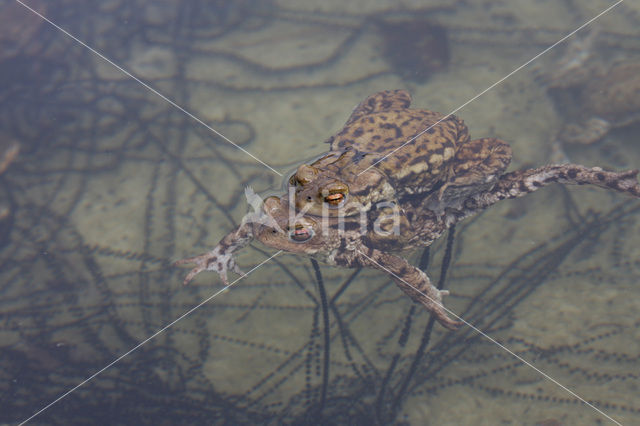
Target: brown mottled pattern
[(387, 100), (417, 166), (480, 158), (379, 139)]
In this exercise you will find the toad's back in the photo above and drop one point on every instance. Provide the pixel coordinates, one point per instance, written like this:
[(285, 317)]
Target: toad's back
[(413, 147)]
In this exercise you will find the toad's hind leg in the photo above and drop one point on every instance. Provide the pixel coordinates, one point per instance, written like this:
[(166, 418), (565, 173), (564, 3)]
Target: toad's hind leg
[(414, 283), (480, 162), (522, 182), (477, 166)]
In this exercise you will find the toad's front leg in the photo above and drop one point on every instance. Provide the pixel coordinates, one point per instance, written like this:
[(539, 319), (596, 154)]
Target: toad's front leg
[(220, 259), (413, 282)]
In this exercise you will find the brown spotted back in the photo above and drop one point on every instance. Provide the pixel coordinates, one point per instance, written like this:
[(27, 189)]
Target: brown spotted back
[(385, 151), (382, 132)]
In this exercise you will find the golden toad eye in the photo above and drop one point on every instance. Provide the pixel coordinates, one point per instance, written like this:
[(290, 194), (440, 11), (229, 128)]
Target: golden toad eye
[(300, 234), (335, 193), (334, 199)]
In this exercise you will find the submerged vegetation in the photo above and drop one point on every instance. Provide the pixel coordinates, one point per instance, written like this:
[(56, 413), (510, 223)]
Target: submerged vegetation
[(112, 184)]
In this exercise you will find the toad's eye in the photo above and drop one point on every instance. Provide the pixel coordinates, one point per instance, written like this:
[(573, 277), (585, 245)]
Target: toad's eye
[(300, 234), (335, 193), (334, 199)]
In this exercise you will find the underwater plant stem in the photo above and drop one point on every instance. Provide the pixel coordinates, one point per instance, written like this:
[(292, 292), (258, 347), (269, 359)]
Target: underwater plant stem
[(327, 336), (426, 335)]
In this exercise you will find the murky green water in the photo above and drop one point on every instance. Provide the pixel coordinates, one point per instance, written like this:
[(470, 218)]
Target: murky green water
[(113, 183)]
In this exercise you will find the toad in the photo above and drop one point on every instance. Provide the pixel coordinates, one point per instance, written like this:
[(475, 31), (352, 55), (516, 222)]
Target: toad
[(350, 242), (388, 151), (595, 96), (607, 100)]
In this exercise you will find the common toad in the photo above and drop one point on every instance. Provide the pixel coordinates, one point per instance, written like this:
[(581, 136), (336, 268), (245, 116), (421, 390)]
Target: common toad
[(594, 95), (388, 151), (349, 242), (607, 100)]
